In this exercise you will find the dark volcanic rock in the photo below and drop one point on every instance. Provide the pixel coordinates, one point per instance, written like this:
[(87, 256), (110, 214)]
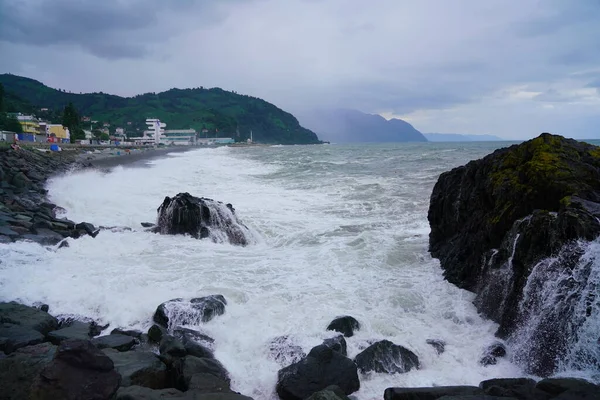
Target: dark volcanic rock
[(185, 368), (13, 337), (75, 330), (433, 393), (19, 371), (345, 325), (492, 353), (322, 367), (285, 351), (200, 218), (79, 371), (156, 333), (114, 341), (338, 344), (438, 345), (139, 368), (172, 346), (507, 227), (207, 383), (144, 393), (181, 312), (28, 317), (569, 388), (329, 393), (519, 388), (385, 356), (127, 332)]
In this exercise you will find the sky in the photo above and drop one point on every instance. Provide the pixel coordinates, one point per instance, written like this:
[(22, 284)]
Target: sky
[(511, 68)]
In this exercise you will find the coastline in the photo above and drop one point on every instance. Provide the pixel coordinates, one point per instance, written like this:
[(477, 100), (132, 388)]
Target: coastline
[(120, 157)]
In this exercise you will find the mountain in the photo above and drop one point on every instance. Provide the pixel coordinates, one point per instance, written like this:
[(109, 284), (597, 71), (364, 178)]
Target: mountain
[(456, 137), (232, 114), (351, 126)]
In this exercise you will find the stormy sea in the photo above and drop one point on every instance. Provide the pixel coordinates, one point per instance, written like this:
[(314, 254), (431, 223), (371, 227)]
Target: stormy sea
[(333, 230)]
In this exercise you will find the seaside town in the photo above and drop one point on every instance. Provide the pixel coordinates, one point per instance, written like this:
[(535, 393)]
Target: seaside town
[(36, 130)]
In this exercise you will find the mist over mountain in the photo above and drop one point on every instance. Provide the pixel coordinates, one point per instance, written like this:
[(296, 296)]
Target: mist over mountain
[(458, 137), (353, 126)]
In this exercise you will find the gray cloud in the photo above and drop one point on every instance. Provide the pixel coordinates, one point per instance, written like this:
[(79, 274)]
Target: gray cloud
[(424, 60)]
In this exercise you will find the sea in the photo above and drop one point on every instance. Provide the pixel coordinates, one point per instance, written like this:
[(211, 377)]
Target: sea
[(336, 230)]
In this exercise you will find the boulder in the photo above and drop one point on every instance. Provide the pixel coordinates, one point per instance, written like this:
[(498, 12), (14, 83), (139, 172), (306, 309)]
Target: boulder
[(156, 333), (519, 388), (569, 388), (74, 330), (345, 325), (128, 332), (492, 353), (512, 228), (337, 343), (28, 317), (208, 383), (322, 367), (141, 368), (385, 356), (144, 393), (115, 341), (438, 345), (193, 312), (329, 393), (19, 370), (186, 367), (200, 218), (79, 371), (433, 393), (197, 336), (285, 351), (196, 348), (45, 237), (13, 337), (172, 346)]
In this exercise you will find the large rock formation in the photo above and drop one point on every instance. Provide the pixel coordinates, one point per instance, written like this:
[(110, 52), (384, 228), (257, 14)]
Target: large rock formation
[(515, 227), (201, 218)]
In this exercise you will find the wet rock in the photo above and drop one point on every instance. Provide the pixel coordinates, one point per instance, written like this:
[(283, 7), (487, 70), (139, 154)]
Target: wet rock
[(207, 383), (196, 349), (345, 325), (200, 218), (5, 239), (492, 353), (28, 317), (7, 231), (144, 393), (338, 344), (13, 337), (45, 237), (285, 351), (172, 346), (185, 368), (509, 227), (197, 336), (88, 228), (147, 224), (75, 330), (156, 333), (432, 393), (329, 393), (78, 371), (322, 367), (127, 332), (19, 370), (115, 341), (193, 312), (438, 345), (519, 388), (387, 357), (569, 388), (139, 368)]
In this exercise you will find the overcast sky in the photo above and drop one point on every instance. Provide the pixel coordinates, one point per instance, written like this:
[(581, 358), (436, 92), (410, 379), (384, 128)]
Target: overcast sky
[(513, 68)]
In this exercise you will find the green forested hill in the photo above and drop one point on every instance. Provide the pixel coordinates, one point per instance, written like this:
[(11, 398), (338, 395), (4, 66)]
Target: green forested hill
[(214, 109)]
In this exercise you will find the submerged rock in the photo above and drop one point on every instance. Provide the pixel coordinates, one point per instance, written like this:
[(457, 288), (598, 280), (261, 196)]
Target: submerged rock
[(513, 228), (181, 312), (322, 368), (385, 356), (338, 344), (345, 325), (438, 345), (201, 218), (492, 353), (285, 351)]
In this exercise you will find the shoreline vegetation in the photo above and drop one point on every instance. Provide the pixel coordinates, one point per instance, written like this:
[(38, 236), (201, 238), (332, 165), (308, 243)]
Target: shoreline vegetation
[(46, 357)]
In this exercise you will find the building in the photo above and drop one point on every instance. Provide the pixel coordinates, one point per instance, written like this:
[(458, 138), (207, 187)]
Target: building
[(57, 132), (185, 137), (29, 124), (156, 134), (214, 141)]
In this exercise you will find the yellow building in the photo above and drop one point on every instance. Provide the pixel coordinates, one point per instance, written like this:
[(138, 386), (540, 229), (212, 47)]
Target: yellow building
[(58, 131), (29, 124)]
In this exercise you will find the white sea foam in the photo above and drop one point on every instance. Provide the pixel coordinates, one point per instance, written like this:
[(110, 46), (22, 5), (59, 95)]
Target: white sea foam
[(333, 242)]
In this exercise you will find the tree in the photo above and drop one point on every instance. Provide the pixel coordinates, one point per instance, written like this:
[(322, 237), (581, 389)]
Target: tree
[(97, 133), (104, 136), (70, 120), (1, 98)]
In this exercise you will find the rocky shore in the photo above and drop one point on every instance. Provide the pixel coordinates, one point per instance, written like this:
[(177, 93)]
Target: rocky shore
[(25, 213)]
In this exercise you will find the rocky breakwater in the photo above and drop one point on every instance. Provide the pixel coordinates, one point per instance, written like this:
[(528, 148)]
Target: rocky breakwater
[(519, 228), (25, 213)]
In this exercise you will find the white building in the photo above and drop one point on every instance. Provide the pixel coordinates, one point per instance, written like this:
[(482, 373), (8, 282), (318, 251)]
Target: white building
[(156, 134)]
